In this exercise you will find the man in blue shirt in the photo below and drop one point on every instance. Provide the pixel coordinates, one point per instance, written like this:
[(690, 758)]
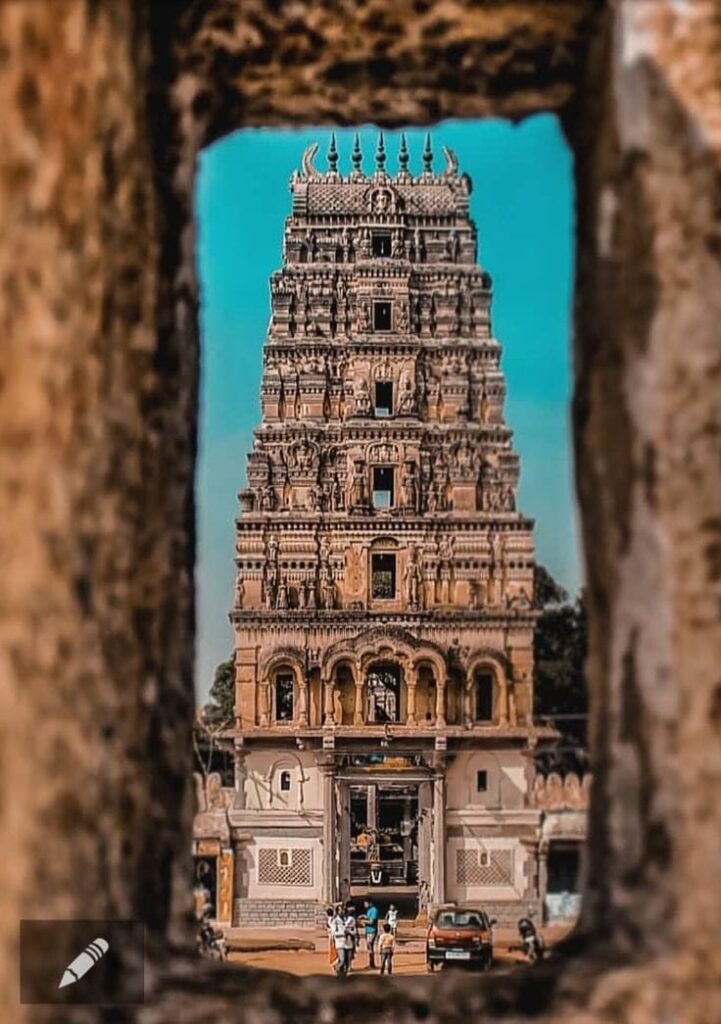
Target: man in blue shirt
[(370, 919)]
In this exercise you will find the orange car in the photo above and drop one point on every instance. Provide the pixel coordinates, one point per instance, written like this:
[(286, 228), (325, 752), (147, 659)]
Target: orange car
[(459, 935)]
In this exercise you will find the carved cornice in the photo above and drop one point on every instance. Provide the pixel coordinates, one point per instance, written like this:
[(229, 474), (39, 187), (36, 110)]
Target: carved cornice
[(296, 520), (340, 618)]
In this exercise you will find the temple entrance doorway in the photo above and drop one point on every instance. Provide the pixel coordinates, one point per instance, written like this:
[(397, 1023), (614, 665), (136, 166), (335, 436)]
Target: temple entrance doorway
[(384, 822)]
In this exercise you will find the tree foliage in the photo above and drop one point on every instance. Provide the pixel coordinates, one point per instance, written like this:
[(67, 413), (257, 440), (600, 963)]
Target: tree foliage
[(560, 643), (212, 752), (220, 708)]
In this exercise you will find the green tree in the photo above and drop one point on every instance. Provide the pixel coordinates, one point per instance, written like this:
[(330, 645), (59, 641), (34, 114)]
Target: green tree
[(220, 708), (213, 752), (560, 643)]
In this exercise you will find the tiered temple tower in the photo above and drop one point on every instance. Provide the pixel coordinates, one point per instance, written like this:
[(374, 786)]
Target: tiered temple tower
[(382, 615)]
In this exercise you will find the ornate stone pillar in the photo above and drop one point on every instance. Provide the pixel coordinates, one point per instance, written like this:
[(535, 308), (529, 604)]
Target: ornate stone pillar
[(328, 718), (438, 884), (372, 807), (502, 700), (411, 696), (425, 829), (441, 703), (264, 703), (329, 884), (343, 838), (358, 715), (224, 910), (542, 869), (239, 776), (467, 702), (303, 701)]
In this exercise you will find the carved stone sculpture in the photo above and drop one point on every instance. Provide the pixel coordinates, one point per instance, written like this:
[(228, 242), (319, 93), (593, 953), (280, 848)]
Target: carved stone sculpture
[(407, 405), (362, 398)]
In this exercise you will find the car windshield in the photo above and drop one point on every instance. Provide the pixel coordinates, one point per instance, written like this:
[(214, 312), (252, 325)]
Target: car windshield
[(460, 919)]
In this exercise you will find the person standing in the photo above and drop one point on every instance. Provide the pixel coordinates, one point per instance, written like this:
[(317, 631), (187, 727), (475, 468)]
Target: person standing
[(392, 919), (351, 937), (332, 951), (338, 935), (387, 947), (370, 921)]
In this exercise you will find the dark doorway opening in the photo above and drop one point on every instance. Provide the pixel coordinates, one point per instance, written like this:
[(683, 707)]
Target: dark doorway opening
[(205, 873), (381, 316), (384, 843), (383, 405), (484, 696)]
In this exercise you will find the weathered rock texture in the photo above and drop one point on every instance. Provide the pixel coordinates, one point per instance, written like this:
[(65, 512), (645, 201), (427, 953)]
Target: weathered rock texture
[(104, 105)]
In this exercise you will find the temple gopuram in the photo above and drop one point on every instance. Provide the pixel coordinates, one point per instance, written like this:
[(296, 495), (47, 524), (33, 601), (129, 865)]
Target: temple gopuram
[(383, 616)]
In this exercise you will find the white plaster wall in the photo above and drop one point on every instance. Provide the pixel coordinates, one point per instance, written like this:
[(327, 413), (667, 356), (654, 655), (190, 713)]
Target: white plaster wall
[(506, 780), (283, 892), (262, 781), (464, 893)]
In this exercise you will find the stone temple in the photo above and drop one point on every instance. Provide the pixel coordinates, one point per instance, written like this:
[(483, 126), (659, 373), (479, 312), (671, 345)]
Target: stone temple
[(382, 615)]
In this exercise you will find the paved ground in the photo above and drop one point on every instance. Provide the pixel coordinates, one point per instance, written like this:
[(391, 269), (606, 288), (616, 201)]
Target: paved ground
[(306, 963), (306, 952)]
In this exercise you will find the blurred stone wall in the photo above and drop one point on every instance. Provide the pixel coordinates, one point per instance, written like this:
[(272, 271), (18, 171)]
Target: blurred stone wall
[(104, 107)]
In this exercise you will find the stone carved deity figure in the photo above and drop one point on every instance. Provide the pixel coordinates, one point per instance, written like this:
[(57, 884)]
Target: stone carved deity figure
[(271, 584), (358, 485), (464, 457), (337, 706), (239, 591), (336, 494), (497, 569), (327, 587), (282, 600), (413, 578), (409, 485), (361, 395), (483, 402), (267, 499), (407, 405), (446, 550)]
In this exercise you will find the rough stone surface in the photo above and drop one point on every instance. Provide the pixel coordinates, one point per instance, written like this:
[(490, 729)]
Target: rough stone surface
[(97, 440)]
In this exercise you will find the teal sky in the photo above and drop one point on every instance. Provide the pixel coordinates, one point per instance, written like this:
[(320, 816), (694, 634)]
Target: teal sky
[(522, 203)]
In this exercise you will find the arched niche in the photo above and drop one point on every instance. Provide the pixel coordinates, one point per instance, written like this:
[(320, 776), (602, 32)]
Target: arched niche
[(286, 781)]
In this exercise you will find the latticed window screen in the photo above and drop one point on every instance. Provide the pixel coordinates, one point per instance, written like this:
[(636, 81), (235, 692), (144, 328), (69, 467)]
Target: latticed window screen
[(276, 868), (383, 576), (481, 867)]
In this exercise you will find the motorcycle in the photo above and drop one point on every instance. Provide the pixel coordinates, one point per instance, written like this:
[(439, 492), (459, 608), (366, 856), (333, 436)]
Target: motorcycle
[(531, 941), (211, 943)]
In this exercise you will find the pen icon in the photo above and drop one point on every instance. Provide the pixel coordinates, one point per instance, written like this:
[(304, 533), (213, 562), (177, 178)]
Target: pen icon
[(83, 962)]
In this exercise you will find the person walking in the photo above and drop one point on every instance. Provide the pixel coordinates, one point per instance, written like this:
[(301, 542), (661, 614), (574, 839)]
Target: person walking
[(370, 922), (387, 947), (338, 936)]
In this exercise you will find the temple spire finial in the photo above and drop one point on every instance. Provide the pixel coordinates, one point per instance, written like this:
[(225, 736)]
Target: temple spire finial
[(332, 154), (357, 156), (428, 155), (403, 153), (380, 153)]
